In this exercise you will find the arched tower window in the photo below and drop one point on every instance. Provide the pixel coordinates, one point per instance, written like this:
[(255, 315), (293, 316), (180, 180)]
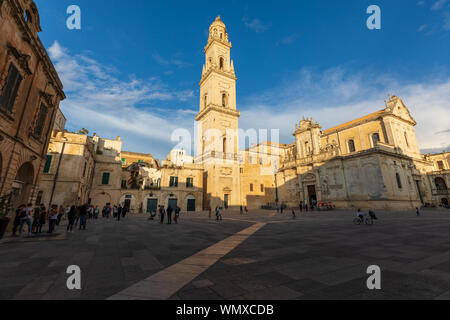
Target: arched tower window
[(205, 100), (406, 140), (224, 146), (351, 145), (221, 63), (224, 100), (307, 148)]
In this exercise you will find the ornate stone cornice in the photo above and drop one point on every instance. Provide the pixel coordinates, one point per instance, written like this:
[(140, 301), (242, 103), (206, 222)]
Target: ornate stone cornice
[(218, 71), (222, 42), (216, 108)]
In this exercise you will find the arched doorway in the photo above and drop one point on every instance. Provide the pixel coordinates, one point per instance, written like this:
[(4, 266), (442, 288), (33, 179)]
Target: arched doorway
[(22, 185), (444, 202), (128, 201)]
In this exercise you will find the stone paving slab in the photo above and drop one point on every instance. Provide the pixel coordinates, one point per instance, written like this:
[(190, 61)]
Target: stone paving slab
[(319, 255), (166, 283), (112, 256)]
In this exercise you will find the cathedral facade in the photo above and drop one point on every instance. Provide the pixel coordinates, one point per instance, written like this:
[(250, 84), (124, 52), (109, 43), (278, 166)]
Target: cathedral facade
[(370, 162)]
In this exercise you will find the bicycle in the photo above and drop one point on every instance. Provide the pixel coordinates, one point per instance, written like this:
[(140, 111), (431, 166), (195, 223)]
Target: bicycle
[(363, 220)]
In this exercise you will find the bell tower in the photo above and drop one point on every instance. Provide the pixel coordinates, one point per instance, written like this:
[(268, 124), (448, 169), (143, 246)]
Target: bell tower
[(218, 123), (217, 113)]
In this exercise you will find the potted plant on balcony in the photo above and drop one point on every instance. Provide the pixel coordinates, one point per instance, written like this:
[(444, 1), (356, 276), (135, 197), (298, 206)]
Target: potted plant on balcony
[(5, 208)]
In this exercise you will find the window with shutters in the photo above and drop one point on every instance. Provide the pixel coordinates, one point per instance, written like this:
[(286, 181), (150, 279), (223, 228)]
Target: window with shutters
[(48, 164), (105, 178), (173, 182), (10, 89), (40, 122)]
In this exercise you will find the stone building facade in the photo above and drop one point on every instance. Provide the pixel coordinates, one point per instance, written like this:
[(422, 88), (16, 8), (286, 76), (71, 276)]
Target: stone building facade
[(30, 93), (68, 173), (106, 182)]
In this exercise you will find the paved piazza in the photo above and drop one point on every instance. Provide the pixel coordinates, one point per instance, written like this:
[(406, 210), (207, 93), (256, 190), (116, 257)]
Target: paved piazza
[(258, 256)]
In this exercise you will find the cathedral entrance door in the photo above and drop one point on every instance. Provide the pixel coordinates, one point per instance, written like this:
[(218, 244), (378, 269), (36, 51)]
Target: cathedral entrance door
[(312, 194), (226, 200)]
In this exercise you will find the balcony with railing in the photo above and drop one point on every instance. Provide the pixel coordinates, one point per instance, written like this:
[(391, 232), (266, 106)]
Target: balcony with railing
[(218, 155)]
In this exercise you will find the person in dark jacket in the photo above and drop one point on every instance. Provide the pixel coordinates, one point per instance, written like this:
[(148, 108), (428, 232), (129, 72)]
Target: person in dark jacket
[(16, 224), (42, 218), (169, 215), (119, 212), (83, 217), (162, 212), (71, 217)]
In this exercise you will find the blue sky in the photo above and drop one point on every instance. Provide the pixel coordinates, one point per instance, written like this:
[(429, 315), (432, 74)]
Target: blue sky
[(133, 68)]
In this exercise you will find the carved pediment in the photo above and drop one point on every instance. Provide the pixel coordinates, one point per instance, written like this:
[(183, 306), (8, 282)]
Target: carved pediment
[(309, 176), (398, 108), (21, 59), (47, 98)]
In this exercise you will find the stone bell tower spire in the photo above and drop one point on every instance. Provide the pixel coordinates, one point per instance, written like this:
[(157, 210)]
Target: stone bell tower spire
[(217, 92), (218, 122)]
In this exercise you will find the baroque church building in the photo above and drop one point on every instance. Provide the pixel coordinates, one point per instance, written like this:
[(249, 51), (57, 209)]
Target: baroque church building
[(373, 162)]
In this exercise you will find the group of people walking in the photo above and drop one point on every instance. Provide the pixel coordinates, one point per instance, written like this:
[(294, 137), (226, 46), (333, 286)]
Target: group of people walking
[(34, 218), (302, 207), (169, 212), (116, 212)]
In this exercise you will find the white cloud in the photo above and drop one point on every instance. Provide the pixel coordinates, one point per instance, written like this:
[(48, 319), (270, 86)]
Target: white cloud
[(335, 96), (171, 61), (422, 28), (438, 5), (447, 21), (289, 39), (98, 99), (255, 24)]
